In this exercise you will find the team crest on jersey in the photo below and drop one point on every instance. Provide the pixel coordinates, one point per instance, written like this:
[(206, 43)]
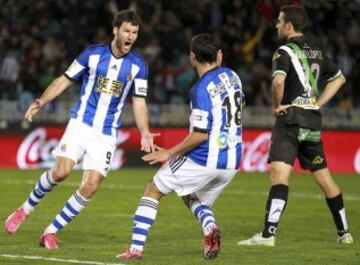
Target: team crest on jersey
[(275, 56)]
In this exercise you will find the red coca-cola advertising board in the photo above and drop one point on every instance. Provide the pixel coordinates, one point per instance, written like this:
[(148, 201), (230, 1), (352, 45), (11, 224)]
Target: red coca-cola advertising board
[(33, 150)]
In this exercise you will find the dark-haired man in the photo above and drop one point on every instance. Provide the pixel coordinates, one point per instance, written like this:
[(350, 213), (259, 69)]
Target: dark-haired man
[(203, 164), (299, 67), (108, 73)]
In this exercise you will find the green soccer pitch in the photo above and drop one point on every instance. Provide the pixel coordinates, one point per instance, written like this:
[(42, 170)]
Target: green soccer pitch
[(306, 234)]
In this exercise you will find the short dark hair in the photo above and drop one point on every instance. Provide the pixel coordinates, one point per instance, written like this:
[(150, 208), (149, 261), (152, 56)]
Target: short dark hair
[(127, 16), (205, 47), (296, 15)]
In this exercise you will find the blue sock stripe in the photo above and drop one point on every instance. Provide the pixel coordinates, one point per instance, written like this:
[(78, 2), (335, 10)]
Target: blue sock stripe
[(31, 202), (65, 217), (37, 195), (57, 224), (202, 218), (41, 187), (71, 209), (208, 222), (200, 208), (140, 231), (137, 242), (143, 219)]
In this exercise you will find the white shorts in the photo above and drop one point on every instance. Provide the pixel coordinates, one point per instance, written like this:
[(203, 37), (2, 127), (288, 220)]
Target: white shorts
[(185, 177), (82, 142)]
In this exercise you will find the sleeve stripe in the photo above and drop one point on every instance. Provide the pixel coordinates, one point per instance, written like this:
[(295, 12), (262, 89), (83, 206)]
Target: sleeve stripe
[(139, 96), (279, 72), (68, 77), (335, 76), (199, 130)]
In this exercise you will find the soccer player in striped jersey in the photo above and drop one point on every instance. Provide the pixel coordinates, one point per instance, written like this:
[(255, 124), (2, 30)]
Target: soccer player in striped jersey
[(204, 163), (109, 73), (299, 68)]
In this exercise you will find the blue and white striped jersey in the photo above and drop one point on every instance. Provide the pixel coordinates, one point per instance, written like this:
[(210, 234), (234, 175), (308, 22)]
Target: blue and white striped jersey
[(216, 105), (106, 81)]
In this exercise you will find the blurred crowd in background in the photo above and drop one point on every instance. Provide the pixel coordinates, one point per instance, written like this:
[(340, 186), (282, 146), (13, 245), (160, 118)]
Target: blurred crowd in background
[(40, 38)]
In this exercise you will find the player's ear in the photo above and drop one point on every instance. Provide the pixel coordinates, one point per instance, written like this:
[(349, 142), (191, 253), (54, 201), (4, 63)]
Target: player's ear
[(115, 30), (219, 57), (192, 58), (289, 26)]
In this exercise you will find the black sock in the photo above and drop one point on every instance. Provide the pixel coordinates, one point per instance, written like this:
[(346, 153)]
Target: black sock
[(275, 206), (337, 209)]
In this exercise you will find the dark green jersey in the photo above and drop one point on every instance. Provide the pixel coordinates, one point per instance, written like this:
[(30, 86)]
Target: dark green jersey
[(305, 67)]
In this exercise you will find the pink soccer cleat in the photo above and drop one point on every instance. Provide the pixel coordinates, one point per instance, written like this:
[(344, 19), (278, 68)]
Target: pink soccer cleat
[(130, 254), (49, 241), (14, 221), (212, 244)]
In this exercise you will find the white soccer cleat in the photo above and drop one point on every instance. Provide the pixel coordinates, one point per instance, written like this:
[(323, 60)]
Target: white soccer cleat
[(345, 239), (258, 240)]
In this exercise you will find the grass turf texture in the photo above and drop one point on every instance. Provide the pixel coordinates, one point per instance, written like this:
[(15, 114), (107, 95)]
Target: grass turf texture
[(306, 234)]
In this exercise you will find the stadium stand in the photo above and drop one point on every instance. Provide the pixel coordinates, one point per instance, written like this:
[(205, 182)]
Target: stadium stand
[(39, 39)]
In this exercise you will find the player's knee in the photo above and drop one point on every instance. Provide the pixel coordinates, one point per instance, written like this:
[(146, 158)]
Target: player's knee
[(88, 188), (275, 180), (60, 173), (277, 176), (152, 191)]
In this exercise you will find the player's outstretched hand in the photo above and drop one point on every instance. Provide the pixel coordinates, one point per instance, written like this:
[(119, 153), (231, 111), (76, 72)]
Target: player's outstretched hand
[(33, 109), (147, 141), (158, 156)]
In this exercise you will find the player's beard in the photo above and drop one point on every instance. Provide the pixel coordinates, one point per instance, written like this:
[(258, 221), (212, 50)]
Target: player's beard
[(122, 48)]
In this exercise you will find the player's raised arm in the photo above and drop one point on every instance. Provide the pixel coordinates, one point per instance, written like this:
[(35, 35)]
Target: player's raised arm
[(52, 91)]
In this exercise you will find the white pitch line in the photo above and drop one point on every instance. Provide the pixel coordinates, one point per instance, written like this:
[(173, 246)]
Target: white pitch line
[(75, 261), (76, 185), (234, 192), (291, 194)]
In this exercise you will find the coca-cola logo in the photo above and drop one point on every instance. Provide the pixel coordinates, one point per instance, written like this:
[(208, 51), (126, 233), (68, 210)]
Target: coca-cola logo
[(357, 161), (35, 150), (256, 153)]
